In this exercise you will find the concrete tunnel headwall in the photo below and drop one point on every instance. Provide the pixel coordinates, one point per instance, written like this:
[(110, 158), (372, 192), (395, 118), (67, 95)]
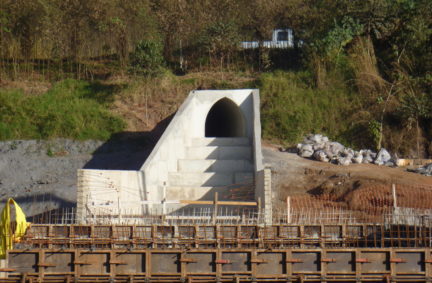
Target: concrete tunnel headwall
[(204, 116)]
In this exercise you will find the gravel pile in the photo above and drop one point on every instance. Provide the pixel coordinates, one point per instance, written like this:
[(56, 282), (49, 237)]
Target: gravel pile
[(320, 148), (425, 170)]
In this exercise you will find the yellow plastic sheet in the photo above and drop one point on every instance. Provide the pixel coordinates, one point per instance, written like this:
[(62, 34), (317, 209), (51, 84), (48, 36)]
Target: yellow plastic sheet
[(6, 235)]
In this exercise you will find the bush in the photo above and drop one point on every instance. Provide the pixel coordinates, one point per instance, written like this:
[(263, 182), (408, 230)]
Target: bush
[(71, 109), (147, 57)]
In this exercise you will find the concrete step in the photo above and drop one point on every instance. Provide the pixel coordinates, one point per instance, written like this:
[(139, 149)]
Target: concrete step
[(220, 141), (193, 179), (214, 165), (219, 152), (207, 179), (204, 193), (196, 193)]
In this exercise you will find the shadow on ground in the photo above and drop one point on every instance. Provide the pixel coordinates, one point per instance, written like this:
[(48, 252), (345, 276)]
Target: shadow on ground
[(127, 150)]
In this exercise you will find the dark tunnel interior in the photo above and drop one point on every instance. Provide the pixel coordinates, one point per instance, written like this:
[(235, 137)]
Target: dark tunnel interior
[(225, 119)]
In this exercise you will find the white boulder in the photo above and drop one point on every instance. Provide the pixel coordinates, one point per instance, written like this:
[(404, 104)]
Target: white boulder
[(382, 157), (320, 155)]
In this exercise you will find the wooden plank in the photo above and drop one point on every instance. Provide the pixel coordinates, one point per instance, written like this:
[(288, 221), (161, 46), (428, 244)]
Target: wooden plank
[(210, 202)]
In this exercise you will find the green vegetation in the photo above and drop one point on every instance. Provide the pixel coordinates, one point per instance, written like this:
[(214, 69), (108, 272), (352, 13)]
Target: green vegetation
[(360, 71), (147, 57), (291, 108), (71, 109)]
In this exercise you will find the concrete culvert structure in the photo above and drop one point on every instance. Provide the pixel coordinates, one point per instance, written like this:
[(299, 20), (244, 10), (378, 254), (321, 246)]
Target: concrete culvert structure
[(225, 119), (212, 146)]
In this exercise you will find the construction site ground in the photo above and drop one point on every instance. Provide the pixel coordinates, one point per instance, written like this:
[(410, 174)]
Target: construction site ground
[(284, 252), (41, 175), (362, 188)]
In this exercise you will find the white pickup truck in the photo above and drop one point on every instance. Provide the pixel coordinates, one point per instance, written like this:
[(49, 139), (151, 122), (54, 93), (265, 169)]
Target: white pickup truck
[(281, 38)]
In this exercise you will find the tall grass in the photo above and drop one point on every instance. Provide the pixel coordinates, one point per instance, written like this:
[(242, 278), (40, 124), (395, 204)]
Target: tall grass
[(292, 107), (364, 64), (71, 109)]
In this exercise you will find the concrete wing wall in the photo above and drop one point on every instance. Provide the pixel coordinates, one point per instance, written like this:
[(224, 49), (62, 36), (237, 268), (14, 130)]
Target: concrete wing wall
[(167, 151), (109, 192)]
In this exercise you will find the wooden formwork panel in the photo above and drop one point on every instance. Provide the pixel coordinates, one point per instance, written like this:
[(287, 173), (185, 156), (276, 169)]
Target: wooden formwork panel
[(376, 262), (122, 232), (38, 231), (228, 232), (273, 236), (101, 232), (306, 262), (248, 232), (313, 232), (60, 231), (201, 263), (93, 263), (206, 232), (58, 262), (270, 232), (307, 265), (186, 232), (236, 261), (164, 232), (289, 231), (23, 262), (130, 263), (81, 231), (409, 262), (271, 263), (143, 232), (165, 263), (332, 232), (341, 262)]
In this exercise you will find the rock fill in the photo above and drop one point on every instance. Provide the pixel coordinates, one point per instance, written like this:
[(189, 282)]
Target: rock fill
[(425, 170), (320, 148)]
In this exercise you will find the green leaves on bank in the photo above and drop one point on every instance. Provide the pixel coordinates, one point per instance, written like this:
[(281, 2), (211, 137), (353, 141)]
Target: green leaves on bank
[(71, 109)]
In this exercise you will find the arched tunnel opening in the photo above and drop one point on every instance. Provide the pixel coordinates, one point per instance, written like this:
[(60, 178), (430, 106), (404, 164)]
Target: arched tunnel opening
[(225, 119)]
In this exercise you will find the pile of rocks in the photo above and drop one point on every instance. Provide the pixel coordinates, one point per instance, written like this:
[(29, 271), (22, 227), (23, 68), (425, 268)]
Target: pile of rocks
[(322, 149), (425, 170)]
